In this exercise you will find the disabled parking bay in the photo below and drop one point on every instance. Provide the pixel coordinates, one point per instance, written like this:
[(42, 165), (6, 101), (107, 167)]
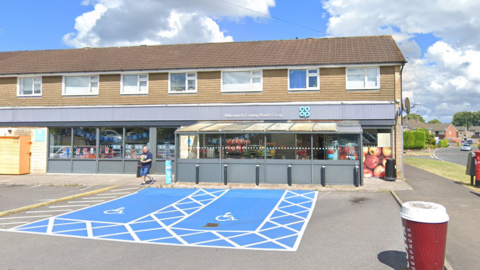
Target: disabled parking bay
[(221, 218)]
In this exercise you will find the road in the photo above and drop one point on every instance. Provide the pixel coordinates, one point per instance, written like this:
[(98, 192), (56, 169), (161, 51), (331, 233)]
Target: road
[(348, 230), (449, 154)]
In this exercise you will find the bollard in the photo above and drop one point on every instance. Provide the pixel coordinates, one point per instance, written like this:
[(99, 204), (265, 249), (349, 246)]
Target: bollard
[(225, 174), (257, 175), (289, 175), (322, 176), (197, 174), (355, 176)]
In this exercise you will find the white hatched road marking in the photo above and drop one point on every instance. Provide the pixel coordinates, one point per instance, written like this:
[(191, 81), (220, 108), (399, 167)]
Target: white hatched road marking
[(85, 188), (123, 189), (71, 205), (13, 223), (86, 201), (117, 193), (110, 197), (26, 217)]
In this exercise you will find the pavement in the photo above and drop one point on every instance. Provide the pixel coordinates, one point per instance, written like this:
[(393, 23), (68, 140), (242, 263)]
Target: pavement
[(84, 180), (463, 207)]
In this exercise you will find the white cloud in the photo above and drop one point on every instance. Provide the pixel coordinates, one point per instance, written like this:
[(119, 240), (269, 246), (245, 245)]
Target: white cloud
[(445, 80), (135, 22)]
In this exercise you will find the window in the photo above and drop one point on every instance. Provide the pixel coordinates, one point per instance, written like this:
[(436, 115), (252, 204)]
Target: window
[(135, 139), (441, 132), (60, 142), (303, 79), (182, 82), (473, 133), (239, 81), (134, 84), (166, 143), (188, 146), (85, 142), (80, 85), (30, 86), (243, 146), (449, 132), (111, 143), (363, 78)]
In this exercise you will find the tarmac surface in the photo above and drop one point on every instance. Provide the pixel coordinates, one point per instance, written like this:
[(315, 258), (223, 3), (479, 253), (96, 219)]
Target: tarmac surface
[(347, 230), (463, 207)]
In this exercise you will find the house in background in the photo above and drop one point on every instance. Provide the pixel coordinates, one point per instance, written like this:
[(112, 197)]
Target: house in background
[(440, 131)]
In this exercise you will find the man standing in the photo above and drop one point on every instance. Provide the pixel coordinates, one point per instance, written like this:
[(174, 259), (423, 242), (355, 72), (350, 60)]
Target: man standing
[(146, 160)]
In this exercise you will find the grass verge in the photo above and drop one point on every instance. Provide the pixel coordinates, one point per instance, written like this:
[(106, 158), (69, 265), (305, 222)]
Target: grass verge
[(418, 153), (445, 169)]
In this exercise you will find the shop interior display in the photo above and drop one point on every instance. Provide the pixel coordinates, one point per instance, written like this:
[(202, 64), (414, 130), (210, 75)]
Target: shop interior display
[(374, 160)]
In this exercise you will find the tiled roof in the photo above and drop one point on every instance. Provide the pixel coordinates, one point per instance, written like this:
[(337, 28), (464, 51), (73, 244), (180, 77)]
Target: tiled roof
[(318, 51), (438, 127), (414, 124)]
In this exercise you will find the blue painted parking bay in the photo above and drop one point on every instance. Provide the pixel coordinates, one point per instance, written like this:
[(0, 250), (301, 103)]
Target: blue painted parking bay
[(245, 219)]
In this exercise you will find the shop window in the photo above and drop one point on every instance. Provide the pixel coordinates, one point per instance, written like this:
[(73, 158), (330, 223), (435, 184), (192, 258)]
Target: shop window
[(303, 79), (134, 84), (166, 143), (182, 82), (363, 78), (209, 146), (243, 146), (135, 140), (303, 149), (84, 142), (111, 143), (188, 146), (241, 81), (60, 142), (281, 146), (319, 147), (80, 85), (30, 86)]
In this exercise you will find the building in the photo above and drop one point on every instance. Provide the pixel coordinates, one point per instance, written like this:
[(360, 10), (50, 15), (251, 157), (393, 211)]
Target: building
[(243, 104)]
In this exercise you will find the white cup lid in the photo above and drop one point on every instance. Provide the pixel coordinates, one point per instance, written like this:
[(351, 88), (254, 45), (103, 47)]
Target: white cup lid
[(425, 212)]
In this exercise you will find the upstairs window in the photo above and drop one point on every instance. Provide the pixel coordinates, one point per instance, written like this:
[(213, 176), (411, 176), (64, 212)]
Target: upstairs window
[(441, 133), (182, 82), (30, 86), (242, 81), (303, 79), (80, 85), (363, 78), (134, 84)]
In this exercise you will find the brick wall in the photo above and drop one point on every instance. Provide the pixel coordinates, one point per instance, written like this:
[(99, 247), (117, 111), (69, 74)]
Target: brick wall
[(275, 89), (38, 158)]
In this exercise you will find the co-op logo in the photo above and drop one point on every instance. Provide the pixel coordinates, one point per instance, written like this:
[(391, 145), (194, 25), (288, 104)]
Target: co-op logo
[(304, 112)]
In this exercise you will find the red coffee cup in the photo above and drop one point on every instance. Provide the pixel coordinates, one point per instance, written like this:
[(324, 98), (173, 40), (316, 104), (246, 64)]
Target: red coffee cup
[(425, 234)]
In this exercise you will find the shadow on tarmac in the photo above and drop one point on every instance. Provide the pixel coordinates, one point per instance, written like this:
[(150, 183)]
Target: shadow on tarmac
[(395, 259)]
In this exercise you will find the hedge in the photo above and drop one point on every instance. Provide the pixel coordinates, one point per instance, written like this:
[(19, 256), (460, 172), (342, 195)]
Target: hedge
[(408, 139), (443, 143), (419, 140)]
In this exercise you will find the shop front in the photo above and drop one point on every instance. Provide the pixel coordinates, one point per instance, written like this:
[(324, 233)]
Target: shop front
[(236, 152)]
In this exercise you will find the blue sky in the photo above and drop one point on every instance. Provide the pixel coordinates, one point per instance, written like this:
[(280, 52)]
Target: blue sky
[(440, 38)]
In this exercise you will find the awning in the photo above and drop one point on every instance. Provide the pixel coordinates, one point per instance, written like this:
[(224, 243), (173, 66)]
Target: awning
[(284, 127)]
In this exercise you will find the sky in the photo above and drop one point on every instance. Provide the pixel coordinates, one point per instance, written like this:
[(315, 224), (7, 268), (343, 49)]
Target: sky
[(439, 38)]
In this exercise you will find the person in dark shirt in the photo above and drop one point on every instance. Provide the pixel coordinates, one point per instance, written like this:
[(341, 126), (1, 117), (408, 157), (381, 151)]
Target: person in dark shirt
[(146, 160)]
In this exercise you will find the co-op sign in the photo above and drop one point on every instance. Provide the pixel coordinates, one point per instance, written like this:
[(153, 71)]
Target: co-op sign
[(303, 112)]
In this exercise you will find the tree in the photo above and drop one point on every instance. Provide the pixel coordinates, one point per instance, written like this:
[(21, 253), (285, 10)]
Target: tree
[(466, 119), (434, 121), (414, 116)]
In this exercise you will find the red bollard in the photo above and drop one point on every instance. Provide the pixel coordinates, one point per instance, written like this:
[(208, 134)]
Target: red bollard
[(425, 234)]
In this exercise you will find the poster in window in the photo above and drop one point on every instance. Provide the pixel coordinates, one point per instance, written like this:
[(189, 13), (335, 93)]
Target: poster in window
[(384, 140)]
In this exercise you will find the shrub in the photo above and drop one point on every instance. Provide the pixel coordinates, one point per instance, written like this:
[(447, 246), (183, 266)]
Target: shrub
[(443, 143), (408, 139), (432, 142), (419, 142), (446, 142)]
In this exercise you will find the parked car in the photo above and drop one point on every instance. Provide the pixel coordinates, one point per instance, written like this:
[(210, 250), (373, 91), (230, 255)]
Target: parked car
[(466, 147)]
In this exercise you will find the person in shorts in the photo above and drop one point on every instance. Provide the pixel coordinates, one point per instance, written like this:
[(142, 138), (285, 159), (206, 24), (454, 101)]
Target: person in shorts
[(146, 160)]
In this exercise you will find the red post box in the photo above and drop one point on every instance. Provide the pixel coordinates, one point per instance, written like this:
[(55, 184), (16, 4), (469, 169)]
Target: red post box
[(477, 168)]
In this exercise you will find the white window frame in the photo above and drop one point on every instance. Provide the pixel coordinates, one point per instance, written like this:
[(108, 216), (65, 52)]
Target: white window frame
[(441, 133), (473, 133), (307, 75), (186, 83), (138, 83), (366, 78), (19, 87), (91, 80), (251, 80)]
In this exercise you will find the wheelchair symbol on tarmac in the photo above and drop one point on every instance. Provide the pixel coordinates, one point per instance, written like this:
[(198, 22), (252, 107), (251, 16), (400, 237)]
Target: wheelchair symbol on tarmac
[(114, 211), (228, 216)]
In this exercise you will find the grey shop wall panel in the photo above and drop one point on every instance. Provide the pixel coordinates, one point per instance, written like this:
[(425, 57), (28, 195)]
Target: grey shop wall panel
[(241, 173), (186, 172), (339, 175), (209, 173), (83, 166), (131, 166), (276, 174), (160, 167), (110, 166), (189, 113), (301, 174), (59, 166)]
